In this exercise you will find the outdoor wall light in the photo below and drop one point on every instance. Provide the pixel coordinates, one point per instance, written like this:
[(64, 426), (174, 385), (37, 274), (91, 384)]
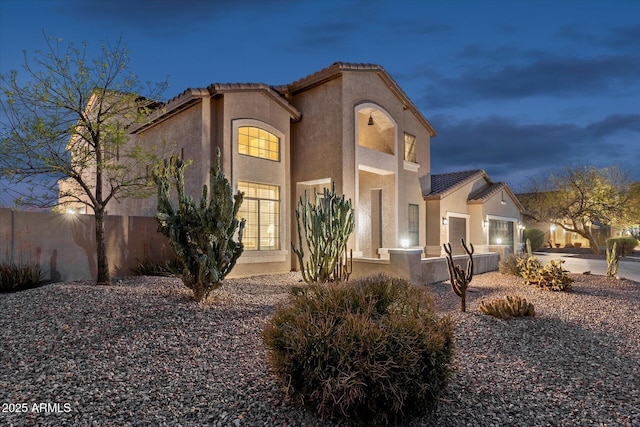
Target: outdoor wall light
[(552, 228), (404, 243), (370, 123), (485, 223), (499, 241), (445, 221), (71, 211)]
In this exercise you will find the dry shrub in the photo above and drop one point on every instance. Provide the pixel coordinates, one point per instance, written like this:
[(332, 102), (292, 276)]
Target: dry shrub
[(371, 350), (506, 307)]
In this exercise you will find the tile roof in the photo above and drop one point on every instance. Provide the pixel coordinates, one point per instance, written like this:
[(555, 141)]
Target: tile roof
[(443, 184), (280, 93), (487, 192)]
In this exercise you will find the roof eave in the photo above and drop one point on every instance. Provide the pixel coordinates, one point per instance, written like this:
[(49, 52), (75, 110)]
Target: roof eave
[(172, 107)]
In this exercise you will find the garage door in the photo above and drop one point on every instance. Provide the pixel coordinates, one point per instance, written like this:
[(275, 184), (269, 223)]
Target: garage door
[(457, 231), (501, 233)]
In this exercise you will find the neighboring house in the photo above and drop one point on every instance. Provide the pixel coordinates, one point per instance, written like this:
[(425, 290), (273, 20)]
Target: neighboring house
[(469, 205), (350, 124), (558, 237)]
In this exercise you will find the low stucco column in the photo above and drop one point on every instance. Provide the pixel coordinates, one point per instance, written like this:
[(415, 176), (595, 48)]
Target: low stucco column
[(405, 263)]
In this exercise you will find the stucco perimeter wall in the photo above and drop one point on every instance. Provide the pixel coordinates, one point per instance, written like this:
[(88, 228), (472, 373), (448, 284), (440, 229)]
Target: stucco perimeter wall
[(64, 245), (407, 264)]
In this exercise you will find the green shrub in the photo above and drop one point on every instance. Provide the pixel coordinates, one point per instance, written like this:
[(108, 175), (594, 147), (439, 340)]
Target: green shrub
[(551, 276), (371, 350), (625, 245), (506, 307), (20, 276), (536, 236), (509, 264)]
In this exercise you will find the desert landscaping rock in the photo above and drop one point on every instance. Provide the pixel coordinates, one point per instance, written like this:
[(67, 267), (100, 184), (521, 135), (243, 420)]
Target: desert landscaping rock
[(142, 353)]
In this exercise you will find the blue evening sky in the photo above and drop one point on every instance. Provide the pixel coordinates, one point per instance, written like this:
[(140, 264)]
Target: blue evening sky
[(517, 88)]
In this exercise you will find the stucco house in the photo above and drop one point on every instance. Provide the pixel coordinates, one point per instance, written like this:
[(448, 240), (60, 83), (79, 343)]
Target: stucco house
[(350, 124), (468, 205)]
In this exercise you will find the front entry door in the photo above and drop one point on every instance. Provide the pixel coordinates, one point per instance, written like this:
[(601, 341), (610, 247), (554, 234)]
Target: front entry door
[(457, 231), (376, 221)]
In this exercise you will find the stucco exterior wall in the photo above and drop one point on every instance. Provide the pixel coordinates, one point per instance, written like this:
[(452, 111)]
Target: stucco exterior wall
[(64, 245), (317, 139), (257, 109), (180, 136)]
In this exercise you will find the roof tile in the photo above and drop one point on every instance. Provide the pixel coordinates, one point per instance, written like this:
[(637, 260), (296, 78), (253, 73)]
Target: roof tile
[(443, 184)]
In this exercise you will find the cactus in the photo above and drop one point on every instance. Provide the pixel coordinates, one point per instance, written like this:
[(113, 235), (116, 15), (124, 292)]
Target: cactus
[(613, 260), (202, 232), (327, 224), (506, 307), (459, 278)]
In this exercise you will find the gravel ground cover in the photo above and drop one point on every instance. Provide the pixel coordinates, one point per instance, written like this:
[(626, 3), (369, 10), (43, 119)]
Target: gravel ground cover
[(141, 352)]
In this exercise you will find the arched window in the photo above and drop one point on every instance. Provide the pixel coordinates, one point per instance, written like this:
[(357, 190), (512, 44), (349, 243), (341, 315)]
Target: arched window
[(256, 142)]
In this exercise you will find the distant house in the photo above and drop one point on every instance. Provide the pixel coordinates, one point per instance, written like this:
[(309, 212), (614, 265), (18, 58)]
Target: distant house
[(557, 236), (348, 124), (468, 205)]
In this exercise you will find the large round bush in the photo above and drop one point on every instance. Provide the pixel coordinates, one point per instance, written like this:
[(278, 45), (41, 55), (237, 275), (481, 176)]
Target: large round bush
[(371, 350)]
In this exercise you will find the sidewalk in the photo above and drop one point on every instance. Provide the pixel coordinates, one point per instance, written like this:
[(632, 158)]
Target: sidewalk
[(629, 266)]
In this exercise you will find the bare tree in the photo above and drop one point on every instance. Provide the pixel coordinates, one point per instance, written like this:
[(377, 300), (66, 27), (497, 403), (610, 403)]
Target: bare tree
[(68, 121), (580, 196)]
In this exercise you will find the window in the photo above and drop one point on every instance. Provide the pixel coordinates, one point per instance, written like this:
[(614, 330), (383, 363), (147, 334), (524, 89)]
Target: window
[(256, 142), (409, 148), (261, 209), (414, 225)]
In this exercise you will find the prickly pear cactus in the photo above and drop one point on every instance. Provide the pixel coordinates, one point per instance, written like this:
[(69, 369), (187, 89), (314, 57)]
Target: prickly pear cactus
[(201, 232)]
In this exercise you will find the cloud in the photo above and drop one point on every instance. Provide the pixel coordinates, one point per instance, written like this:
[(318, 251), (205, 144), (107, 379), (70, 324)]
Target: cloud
[(548, 75), (509, 150), (164, 17), (625, 37), (325, 36), (615, 123)]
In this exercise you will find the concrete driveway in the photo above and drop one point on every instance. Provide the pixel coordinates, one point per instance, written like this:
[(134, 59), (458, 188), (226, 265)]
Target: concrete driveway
[(629, 267)]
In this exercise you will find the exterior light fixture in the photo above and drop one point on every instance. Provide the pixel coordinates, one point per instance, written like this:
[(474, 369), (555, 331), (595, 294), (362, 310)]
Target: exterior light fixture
[(370, 123), (499, 241), (553, 227), (404, 243), (485, 223), (71, 211), (445, 221)]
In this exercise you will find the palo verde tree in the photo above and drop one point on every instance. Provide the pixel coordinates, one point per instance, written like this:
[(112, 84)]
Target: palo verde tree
[(68, 121), (579, 196)]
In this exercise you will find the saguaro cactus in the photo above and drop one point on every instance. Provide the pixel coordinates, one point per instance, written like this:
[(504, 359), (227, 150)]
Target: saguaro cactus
[(327, 223), (613, 260), (201, 232), (459, 278)]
